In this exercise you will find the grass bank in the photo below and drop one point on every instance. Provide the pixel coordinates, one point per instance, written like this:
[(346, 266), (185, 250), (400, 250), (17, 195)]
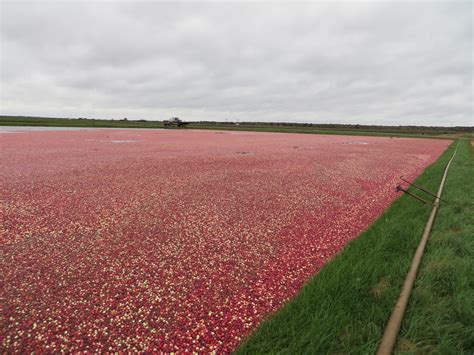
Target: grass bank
[(311, 130), (440, 317), (344, 308), (65, 122), (359, 130)]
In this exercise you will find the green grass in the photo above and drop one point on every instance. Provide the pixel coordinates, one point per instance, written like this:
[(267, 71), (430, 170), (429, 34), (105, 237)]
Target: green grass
[(422, 132), (65, 122), (344, 308), (310, 130), (440, 317)]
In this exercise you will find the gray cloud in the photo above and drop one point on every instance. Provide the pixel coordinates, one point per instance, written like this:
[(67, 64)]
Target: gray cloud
[(384, 63)]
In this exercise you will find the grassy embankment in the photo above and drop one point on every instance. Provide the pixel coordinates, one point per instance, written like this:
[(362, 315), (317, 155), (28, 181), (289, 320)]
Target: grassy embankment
[(344, 308), (65, 122), (317, 130), (424, 132)]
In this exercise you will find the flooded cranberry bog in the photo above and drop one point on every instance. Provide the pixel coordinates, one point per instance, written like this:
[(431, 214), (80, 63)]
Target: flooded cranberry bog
[(178, 240)]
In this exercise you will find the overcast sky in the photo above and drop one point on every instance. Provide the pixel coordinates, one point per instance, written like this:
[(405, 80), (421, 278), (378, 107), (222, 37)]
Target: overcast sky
[(363, 62)]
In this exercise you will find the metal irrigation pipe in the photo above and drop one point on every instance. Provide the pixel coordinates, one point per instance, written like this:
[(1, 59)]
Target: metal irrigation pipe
[(421, 188), (393, 326), (399, 188)]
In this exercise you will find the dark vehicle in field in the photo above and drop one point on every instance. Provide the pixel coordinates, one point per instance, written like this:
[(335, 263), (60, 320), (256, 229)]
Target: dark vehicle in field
[(174, 121)]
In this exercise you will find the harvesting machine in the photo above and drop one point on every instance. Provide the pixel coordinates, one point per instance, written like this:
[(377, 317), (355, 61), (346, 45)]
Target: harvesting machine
[(174, 121)]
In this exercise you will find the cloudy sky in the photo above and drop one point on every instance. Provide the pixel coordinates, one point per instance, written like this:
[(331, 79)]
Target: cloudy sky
[(359, 62)]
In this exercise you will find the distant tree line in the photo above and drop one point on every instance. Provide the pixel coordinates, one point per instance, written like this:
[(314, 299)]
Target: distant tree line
[(334, 126), (341, 126)]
